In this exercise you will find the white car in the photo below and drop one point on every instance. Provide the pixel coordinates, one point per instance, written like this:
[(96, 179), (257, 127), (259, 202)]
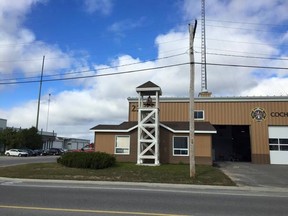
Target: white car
[(16, 152)]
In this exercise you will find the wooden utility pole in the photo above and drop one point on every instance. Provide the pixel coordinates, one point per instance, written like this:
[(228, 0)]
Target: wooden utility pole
[(192, 31), (39, 96)]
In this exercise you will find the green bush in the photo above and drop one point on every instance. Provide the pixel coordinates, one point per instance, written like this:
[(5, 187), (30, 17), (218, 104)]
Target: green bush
[(90, 160)]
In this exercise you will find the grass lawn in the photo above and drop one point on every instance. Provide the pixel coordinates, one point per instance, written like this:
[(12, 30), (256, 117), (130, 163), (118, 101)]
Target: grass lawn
[(126, 172)]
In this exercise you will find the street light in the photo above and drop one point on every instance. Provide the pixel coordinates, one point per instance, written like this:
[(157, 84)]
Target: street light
[(48, 112)]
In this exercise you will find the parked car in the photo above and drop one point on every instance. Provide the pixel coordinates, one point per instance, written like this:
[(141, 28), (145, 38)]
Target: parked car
[(86, 148), (16, 152), (38, 151), (30, 152), (53, 151)]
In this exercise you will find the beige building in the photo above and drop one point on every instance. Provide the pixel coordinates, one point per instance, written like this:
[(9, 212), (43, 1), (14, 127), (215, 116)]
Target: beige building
[(250, 129)]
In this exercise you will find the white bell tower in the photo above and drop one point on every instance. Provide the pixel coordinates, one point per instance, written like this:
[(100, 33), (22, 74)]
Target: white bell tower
[(148, 124)]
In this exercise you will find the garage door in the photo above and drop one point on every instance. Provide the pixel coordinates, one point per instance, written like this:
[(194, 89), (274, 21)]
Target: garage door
[(278, 144)]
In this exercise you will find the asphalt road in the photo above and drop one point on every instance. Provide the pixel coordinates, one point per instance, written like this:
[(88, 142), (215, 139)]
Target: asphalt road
[(28, 197), (12, 161), (48, 197)]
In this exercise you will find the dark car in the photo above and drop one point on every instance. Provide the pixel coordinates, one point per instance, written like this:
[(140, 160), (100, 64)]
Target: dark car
[(38, 151), (52, 151), (30, 152)]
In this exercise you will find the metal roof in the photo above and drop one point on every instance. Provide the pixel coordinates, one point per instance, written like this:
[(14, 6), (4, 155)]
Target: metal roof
[(175, 127), (149, 88), (220, 99)]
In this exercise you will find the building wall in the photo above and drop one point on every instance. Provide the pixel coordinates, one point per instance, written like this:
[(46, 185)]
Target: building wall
[(3, 124), (203, 148), (230, 112), (105, 142)]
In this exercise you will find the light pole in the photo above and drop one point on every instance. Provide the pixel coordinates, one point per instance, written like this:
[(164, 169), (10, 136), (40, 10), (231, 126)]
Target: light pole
[(39, 96), (48, 112)]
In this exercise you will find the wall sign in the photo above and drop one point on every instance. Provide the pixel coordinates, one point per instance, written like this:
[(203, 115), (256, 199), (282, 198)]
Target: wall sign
[(258, 114), (279, 114)]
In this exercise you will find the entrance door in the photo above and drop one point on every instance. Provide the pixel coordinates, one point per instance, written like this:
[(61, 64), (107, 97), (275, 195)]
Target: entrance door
[(231, 143), (278, 144)]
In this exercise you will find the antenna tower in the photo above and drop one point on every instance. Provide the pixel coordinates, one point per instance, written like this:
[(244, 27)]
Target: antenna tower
[(203, 49)]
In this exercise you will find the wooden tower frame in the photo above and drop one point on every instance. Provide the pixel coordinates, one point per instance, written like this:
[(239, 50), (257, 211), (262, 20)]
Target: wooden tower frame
[(148, 124)]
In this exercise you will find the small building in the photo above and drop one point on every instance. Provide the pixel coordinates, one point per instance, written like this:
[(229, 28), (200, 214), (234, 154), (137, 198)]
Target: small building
[(3, 125), (250, 129), (70, 143)]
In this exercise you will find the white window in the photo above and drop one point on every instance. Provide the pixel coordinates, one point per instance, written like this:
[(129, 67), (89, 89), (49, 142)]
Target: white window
[(278, 144), (122, 145), (199, 115), (180, 146)]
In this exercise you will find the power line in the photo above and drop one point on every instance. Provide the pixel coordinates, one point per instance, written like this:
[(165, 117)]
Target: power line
[(95, 75), (247, 29), (144, 70), (246, 56), (247, 23), (106, 68), (99, 69)]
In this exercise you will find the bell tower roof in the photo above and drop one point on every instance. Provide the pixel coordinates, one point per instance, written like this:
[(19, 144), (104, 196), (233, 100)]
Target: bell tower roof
[(149, 88)]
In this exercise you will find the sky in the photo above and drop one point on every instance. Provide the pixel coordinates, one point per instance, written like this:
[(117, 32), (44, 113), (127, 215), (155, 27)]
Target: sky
[(95, 53)]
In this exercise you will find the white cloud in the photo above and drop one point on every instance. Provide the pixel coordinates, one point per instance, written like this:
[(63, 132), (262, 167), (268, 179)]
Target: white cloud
[(104, 99), (19, 44), (120, 27), (103, 6), (272, 86)]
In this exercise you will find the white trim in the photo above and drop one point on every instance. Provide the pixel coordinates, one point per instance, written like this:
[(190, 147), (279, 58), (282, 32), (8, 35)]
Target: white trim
[(162, 125), (118, 131), (187, 131)]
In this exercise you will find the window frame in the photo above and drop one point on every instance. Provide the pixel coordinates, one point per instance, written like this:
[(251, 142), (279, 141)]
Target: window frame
[(199, 111), (115, 147), (180, 149)]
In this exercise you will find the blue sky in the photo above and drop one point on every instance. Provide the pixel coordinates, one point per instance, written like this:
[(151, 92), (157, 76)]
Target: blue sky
[(104, 35), (81, 37)]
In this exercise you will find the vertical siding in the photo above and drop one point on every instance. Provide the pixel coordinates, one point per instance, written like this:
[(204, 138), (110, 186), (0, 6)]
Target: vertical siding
[(230, 113), (105, 142), (203, 148)]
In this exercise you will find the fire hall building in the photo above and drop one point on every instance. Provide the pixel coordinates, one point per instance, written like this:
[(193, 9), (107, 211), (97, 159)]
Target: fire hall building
[(250, 129)]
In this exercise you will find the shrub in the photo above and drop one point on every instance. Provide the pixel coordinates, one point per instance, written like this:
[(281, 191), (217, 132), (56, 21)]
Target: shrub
[(90, 160)]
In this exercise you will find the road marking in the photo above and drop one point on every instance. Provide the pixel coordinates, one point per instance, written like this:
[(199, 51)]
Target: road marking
[(87, 211)]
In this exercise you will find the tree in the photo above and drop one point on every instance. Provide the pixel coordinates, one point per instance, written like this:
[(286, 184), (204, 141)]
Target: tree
[(8, 137), (24, 138), (30, 138)]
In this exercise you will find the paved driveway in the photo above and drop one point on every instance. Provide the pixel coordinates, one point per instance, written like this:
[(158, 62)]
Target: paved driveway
[(256, 175)]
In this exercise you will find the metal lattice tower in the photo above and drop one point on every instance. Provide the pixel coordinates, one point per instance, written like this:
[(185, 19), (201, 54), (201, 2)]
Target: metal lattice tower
[(203, 49)]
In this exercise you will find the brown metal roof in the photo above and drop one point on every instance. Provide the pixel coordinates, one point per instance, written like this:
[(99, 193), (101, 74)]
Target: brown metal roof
[(185, 126), (122, 126), (149, 88), (148, 84), (173, 126)]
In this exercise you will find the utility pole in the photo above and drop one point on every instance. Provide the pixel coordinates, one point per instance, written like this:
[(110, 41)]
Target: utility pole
[(39, 96), (192, 31)]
